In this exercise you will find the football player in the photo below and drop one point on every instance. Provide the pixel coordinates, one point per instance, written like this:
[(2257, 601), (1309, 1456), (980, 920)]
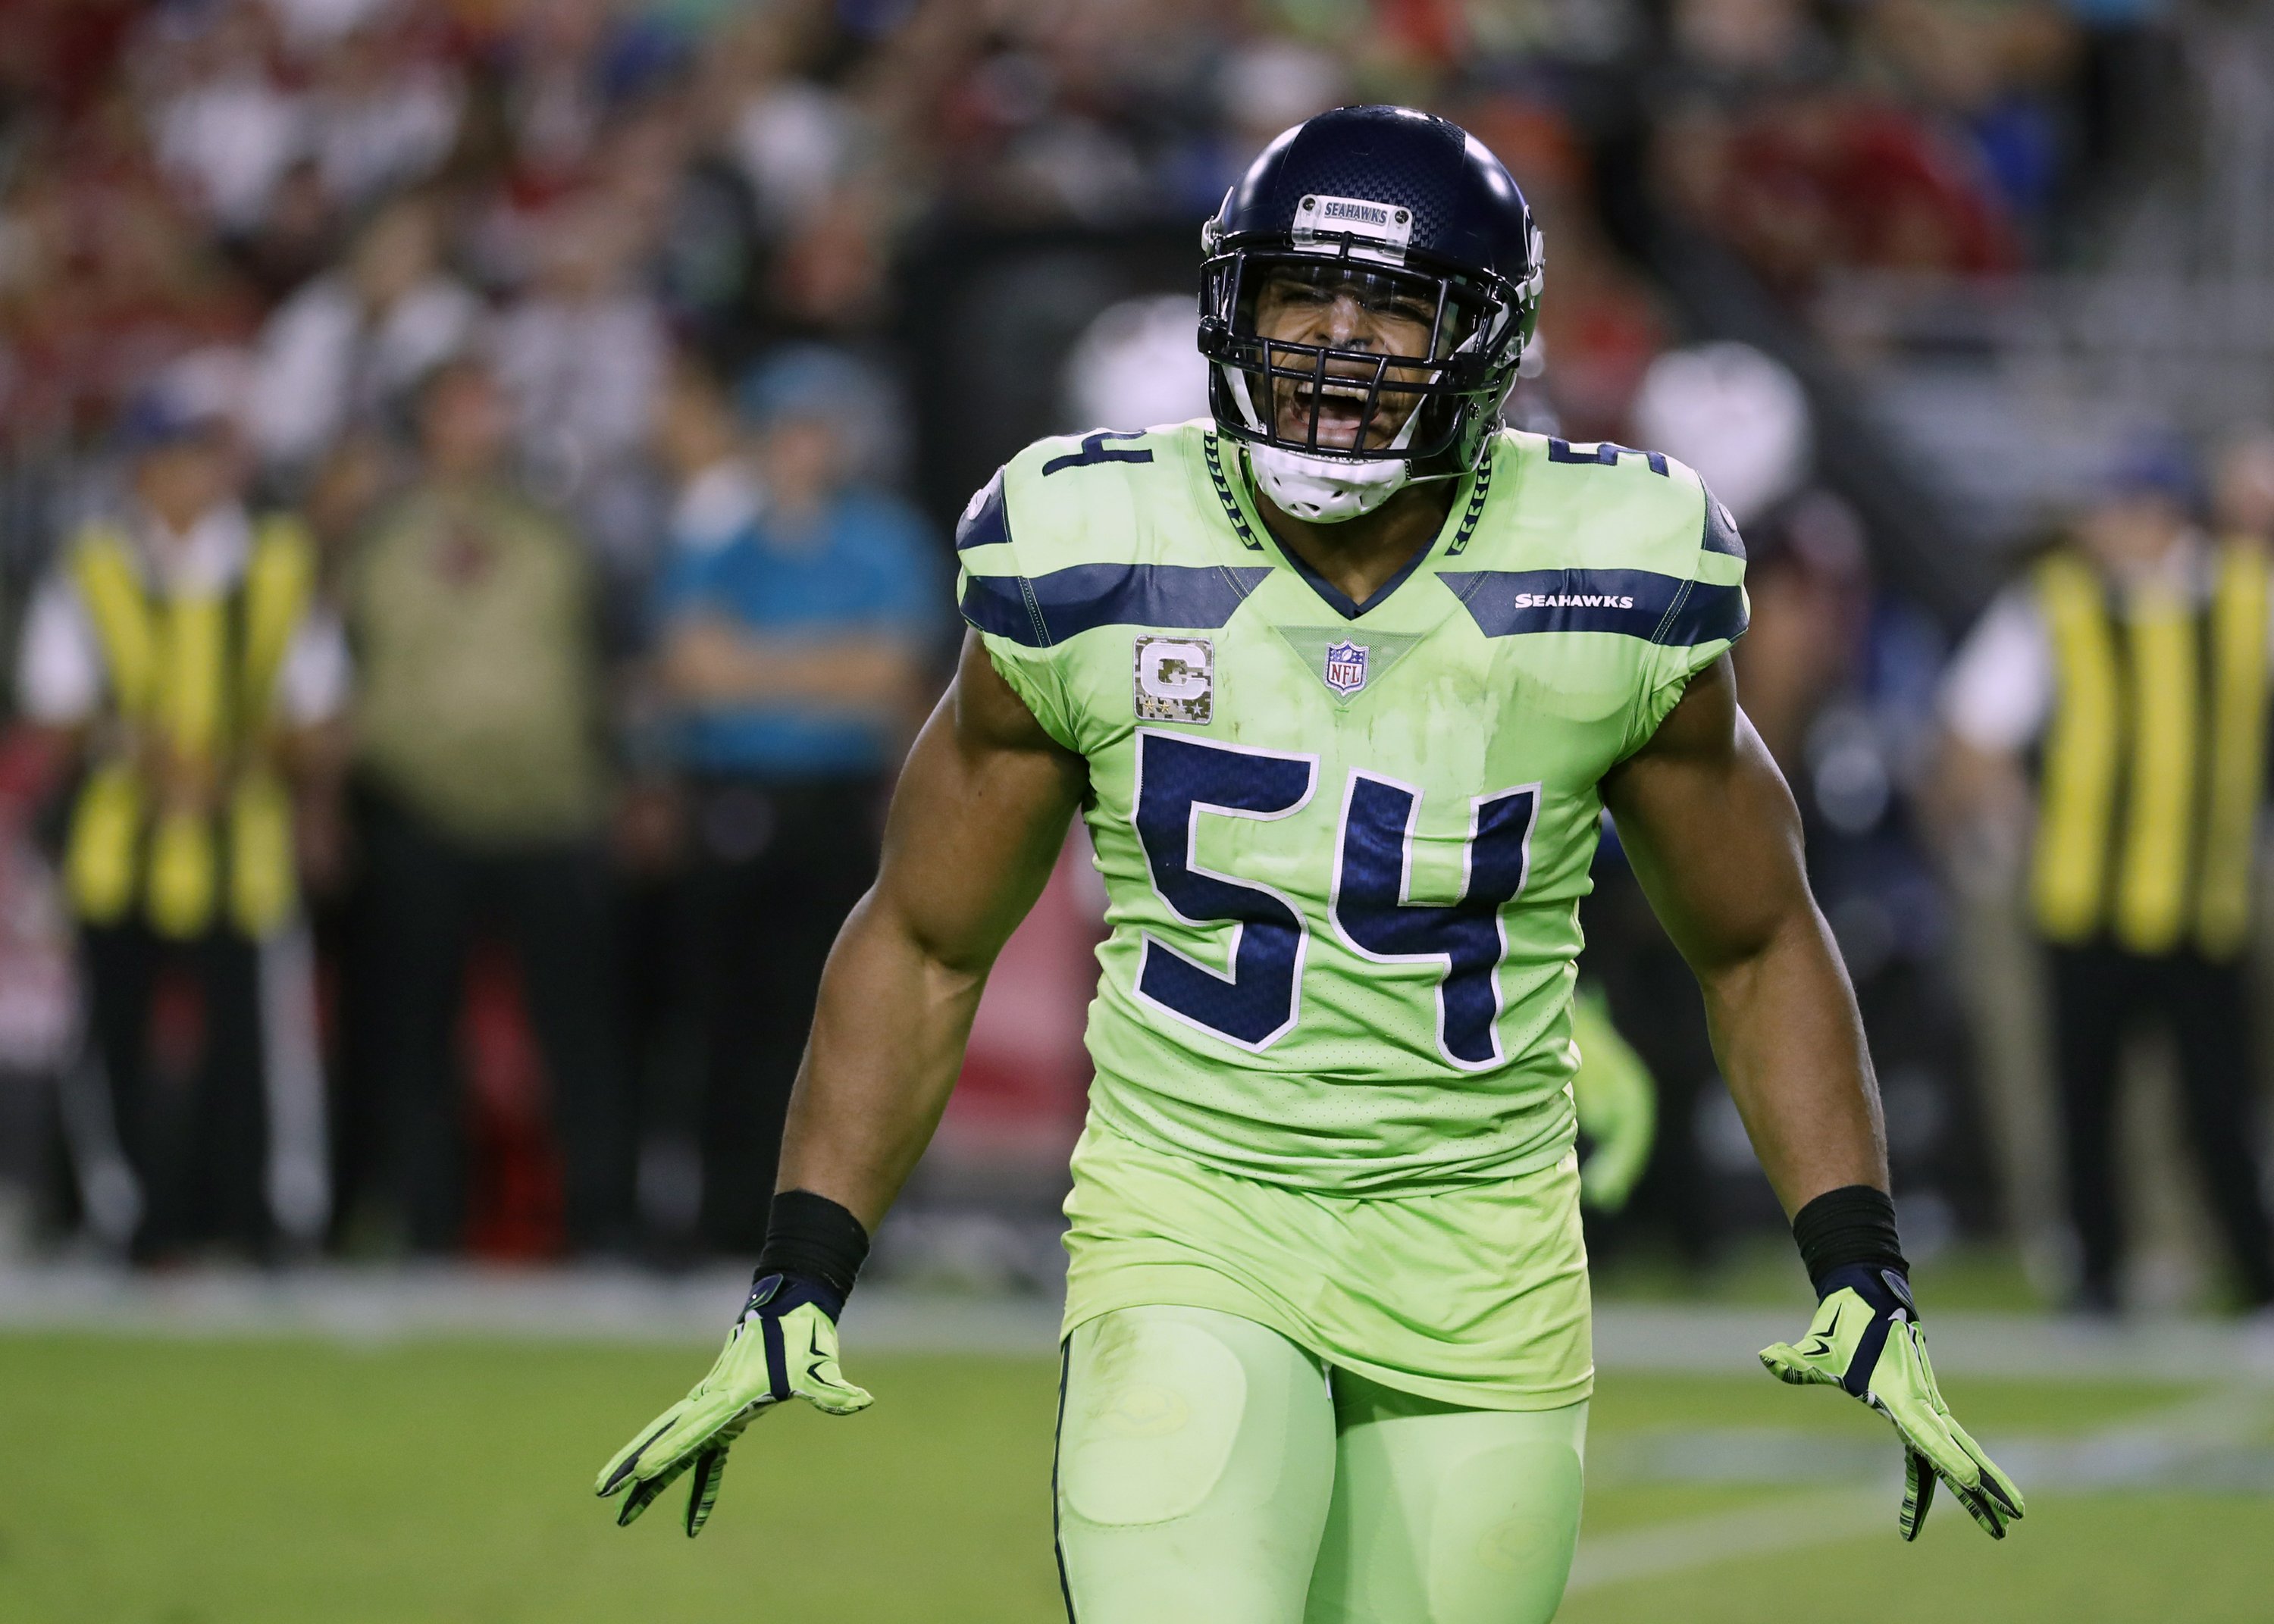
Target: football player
[(1341, 680)]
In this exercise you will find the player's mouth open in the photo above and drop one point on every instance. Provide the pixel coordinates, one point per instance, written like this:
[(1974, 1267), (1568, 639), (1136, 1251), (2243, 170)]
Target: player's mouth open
[(1342, 411)]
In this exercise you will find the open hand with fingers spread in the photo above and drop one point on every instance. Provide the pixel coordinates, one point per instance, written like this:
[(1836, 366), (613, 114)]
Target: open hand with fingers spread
[(784, 1346), (1865, 1339)]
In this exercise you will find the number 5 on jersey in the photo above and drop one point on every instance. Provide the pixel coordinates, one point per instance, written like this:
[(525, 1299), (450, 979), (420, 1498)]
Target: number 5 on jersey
[(1258, 1000)]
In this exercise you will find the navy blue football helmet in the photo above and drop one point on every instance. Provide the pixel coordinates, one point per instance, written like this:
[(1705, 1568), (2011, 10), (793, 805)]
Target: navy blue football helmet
[(1414, 212)]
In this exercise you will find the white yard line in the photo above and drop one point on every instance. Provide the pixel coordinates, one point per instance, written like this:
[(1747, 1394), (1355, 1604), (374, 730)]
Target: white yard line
[(1788, 1523), (2215, 1440)]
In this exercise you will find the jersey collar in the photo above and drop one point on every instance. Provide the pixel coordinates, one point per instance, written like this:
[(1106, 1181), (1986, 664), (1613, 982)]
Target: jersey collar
[(1235, 494), (1339, 600)]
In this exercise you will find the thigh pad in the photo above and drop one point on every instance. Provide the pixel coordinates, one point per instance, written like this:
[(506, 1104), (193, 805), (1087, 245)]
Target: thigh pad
[(1153, 1407)]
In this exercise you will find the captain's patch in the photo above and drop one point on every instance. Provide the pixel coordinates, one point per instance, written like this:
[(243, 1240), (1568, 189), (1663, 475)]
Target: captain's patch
[(1176, 679)]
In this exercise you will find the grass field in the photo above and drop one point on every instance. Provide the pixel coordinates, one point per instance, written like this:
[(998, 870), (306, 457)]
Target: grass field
[(160, 1481)]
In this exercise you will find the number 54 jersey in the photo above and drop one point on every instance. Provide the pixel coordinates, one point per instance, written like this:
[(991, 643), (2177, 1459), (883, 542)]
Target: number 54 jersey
[(1344, 844)]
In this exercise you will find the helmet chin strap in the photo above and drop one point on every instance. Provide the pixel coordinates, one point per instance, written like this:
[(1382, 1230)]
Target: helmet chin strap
[(1326, 490), (1323, 488)]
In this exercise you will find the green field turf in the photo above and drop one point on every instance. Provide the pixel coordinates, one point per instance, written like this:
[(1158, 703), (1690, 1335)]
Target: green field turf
[(152, 1481)]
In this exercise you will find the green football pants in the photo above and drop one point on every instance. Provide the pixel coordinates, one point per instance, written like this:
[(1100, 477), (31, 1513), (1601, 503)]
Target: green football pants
[(1210, 1471)]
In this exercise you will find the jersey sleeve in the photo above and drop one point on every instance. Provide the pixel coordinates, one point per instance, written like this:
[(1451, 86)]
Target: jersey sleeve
[(1707, 615), (992, 592)]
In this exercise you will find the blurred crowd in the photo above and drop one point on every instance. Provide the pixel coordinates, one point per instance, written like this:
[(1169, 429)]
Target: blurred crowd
[(349, 187), (552, 411)]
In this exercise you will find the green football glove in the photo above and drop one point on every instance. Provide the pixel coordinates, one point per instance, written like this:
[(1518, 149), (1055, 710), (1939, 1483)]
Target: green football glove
[(784, 1346), (1617, 1103), (1865, 1339)]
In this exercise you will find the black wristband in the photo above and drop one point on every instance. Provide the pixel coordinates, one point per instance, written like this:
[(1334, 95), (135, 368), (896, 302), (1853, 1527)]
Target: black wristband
[(1854, 1224), (812, 1236)]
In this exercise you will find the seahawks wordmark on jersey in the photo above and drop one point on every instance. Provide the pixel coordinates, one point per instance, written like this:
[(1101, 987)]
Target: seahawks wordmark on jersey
[(1344, 844)]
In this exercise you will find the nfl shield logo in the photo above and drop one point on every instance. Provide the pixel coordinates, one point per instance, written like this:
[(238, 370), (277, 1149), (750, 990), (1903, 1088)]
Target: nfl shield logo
[(1346, 667)]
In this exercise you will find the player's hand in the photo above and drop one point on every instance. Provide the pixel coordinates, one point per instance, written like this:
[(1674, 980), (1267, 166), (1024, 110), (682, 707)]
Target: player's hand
[(1617, 1103), (1865, 1339), (784, 1346)]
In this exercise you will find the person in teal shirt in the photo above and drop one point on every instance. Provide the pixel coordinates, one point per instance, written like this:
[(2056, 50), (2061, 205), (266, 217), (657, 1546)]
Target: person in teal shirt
[(792, 617)]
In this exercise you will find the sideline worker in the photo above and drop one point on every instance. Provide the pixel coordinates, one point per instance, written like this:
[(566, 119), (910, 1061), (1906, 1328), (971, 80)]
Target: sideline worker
[(2133, 663), (178, 646)]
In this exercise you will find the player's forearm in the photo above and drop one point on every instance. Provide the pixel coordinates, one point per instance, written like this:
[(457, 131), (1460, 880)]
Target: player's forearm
[(1791, 1046), (1715, 839), (977, 825), (888, 1036)]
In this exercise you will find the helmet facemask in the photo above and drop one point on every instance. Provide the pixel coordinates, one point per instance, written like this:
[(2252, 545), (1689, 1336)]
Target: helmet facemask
[(1356, 416)]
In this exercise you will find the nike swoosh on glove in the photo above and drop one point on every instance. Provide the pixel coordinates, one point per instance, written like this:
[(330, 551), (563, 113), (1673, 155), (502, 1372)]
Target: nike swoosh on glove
[(1865, 1339), (784, 1346)]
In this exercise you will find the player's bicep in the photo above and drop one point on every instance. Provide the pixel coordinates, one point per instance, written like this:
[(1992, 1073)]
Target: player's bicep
[(978, 820), (1710, 826)]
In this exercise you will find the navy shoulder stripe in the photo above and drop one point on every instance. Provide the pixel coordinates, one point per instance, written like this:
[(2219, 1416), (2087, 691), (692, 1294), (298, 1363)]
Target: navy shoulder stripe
[(1721, 530), (1632, 602), (986, 517), (1708, 614), (1044, 610), (1001, 605)]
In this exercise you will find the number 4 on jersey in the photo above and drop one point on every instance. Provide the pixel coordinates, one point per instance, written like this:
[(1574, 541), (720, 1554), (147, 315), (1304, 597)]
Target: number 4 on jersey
[(1258, 1000), (1373, 878)]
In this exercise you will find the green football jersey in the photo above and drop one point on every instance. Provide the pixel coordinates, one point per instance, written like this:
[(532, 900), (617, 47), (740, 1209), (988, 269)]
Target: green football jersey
[(1344, 844)]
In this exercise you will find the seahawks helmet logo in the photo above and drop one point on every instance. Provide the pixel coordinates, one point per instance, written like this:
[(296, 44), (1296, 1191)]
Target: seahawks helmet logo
[(1366, 229)]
